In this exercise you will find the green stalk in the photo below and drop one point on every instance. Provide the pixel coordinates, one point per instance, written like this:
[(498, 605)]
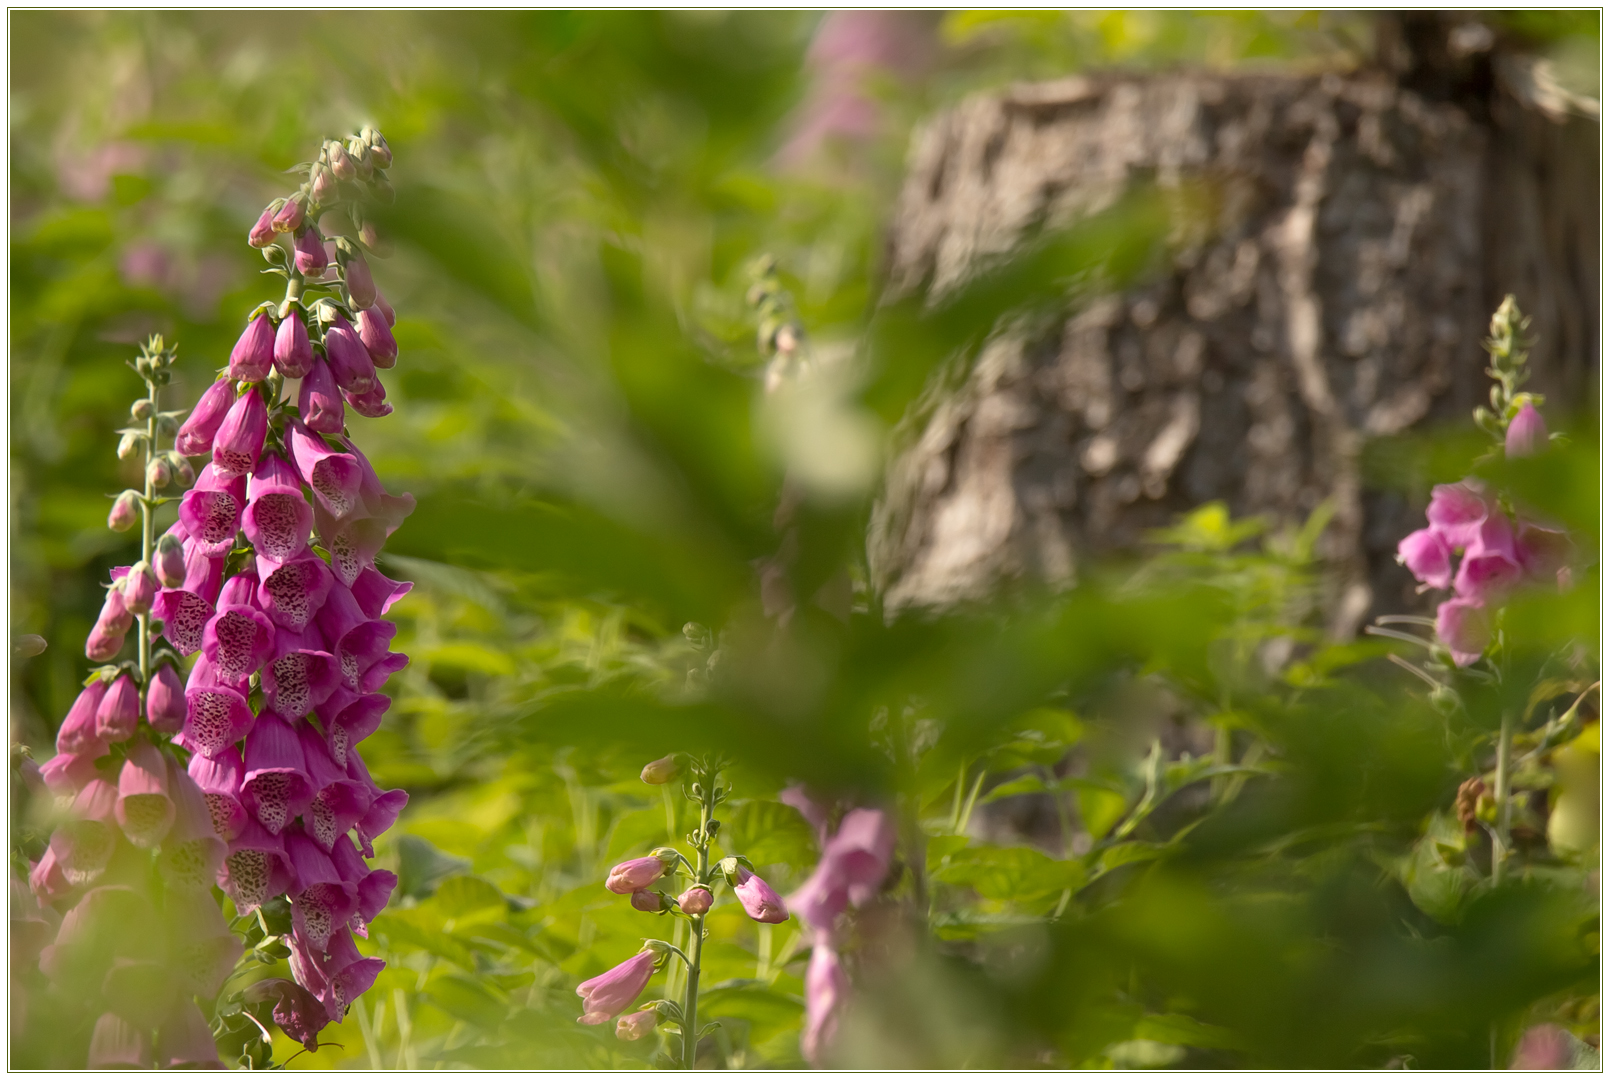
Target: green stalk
[(690, 1001), (1501, 795), (148, 528)]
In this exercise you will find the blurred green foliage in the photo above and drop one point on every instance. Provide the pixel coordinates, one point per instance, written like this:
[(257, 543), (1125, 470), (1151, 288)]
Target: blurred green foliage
[(1234, 871)]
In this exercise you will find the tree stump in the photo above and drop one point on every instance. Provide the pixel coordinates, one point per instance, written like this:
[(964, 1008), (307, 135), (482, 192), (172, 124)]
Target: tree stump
[(1364, 232)]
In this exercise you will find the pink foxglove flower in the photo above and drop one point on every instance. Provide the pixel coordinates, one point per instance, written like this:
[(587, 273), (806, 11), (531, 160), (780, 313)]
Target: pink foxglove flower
[(385, 309), (298, 1013), (119, 711), (239, 442), (164, 701), (204, 950), (606, 996), (1427, 556), (371, 403), (374, 887), (196, 434), (634, 874), (375, 333), (253, 354), (357, 641), (78, 733), (1465, 627), (67, 773), (216, 718), (323, 902), (375, 592), (319, 401), (826, 987), (338, 802), (760, 901), (210, 512), (276, 787), (277, 520), (115, 615), (168, 561), (360, 283), (1489, 569), (334, 477), (293, 352), (262, 233), (139, 588), (1527, 433), (292, 593), (695, 901), (117, 1044), (103, 643), (1543, 553), (218, 779), (184, 1040), (349, 361), (144, 810), (302, 674), (309, 252), (343, 972), (192, 852), (1456, 513), (256, 868), (384, 806), (290, 216)]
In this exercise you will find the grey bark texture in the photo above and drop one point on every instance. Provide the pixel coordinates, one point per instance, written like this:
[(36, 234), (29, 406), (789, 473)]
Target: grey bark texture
[(1363, 232)]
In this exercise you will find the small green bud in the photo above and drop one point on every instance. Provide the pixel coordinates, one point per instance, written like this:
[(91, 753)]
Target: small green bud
[(183, 471), (129, 446), (125, 512), (141, 410), (159, 473)]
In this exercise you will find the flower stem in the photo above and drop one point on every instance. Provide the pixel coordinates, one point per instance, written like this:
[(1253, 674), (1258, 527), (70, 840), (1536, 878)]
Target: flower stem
[(148, 527), (1501, 796), (690, 1001)]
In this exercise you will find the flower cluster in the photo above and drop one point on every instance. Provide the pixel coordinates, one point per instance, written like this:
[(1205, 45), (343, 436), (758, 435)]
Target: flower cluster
[(854, 864), (1495, 550), (246, 772), (607, 996)]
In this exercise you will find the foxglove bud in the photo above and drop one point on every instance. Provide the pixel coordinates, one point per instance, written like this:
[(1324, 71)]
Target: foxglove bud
[(183, 472), (125, 512), (371, 403), (376, 337), (359, 153), (379, 152), (170, 560), (196, 436), (696, 901), (349, 361), (759, 900), (262, 233), (1527, 433), (239, 442), (662, 770), (129, 445), (139, 588), (320, 402), (291, 215), (158, 473), (635, 874), (119, 711), (385, 308), (610, 994), (77, 732), (360, 283), (637, 1026), (142, 410), (340, 164), (369, 236), (293, 354), (324, 186), (164, 701), (103, 644), (310, 257), (115, 615), (254, 352)]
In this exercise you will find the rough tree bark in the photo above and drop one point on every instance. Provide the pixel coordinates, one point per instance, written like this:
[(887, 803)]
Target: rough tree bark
[(1366, 224)]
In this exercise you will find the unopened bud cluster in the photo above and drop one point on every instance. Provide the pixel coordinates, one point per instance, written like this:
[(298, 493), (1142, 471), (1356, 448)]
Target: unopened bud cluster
[(245, 772)]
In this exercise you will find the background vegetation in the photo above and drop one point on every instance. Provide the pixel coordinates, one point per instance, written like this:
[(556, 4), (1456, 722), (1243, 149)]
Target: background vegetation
[(1241, 864)]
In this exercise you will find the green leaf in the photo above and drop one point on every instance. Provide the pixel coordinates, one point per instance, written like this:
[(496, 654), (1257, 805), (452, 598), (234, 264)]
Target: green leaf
[(1011, 873), (469, 899)]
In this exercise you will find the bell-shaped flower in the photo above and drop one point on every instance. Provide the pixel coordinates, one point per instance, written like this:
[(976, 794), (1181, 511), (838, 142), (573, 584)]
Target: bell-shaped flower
[(168, 560), (375, 592), (293, 352), (201, 950), (350, 718), (1527, 433), (1456, 512), (216, 718), (278, 519), (239, 442), (374, 887), (239, 639), (634, 874), (637, 1025), (371, 403), (210, 511), (66, 774), (82, 846), (344, 972), (1544, 553), (384, 806), (253, 355), (256, 868), (358, 642), (319, 400), (1489, 569), (349, 361), (117, 1044), (292, 593), (360, 282), (353, 542), (389, 509), (192, 852), (79, 731), (322, 902), (46, 880), (201, 426), (184, 617), (338, 802), (164, 701), (812, 809), (301, 675), (308, 248), (144, 810), (298, 1013), (760, 901), (1465, 627), (334, 477), (94, 933), (219, 779), (695, 901), (375, 333), (276, 787), (826, 987), (1427, 555), (606, 996), (385, 309), (184, 1040), (119, 711), (861, 849)]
